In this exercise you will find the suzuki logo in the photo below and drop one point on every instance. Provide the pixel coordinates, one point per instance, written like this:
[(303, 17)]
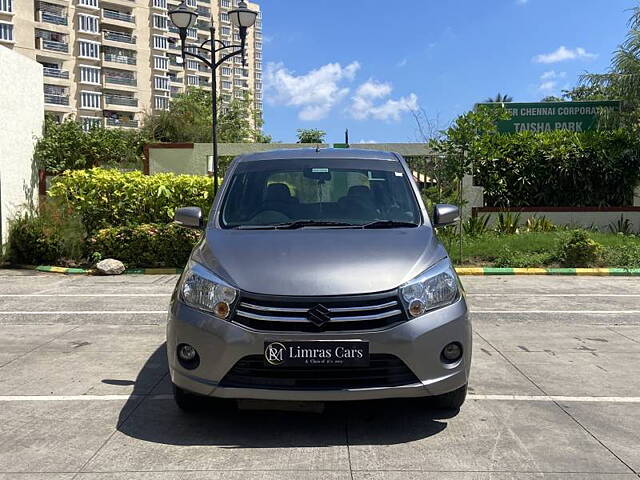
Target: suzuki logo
[(274, 353), (319, 315)]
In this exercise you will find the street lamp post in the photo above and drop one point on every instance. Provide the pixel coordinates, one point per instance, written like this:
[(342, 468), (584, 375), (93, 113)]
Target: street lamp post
[(184, 18)]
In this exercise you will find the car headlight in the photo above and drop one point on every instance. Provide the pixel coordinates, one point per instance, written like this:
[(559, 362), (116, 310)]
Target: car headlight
[(201, 289), (435, 288)]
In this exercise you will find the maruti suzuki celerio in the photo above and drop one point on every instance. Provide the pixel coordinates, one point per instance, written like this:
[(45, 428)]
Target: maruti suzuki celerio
[(319, 277)]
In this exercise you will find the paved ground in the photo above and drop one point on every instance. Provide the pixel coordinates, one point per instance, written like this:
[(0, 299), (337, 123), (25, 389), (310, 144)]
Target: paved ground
[(83, 393)]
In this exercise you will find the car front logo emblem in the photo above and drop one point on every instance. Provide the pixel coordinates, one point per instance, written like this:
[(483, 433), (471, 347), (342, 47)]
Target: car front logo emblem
[(319, 315)]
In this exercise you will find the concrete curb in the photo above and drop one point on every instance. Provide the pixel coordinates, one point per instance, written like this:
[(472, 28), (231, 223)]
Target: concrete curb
[(467, 271), (84, 271), (598, 272)]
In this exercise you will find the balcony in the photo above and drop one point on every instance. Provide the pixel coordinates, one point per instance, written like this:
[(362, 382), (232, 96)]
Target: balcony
[(118, 80), (203, 25), (124, 59), (115, 15), (121, 100), (204, 11), (203, 68), (53, 46), (176, 80), (53, 99), (55, 73), (117, 122), (119, 37), (50, 17)]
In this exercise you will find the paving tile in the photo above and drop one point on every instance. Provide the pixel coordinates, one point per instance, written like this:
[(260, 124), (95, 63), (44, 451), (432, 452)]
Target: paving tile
[(413, 475), (159, 437), (581, 374), (83, 372), (228, 475), (55, 436), (616, 425), (484, 436)]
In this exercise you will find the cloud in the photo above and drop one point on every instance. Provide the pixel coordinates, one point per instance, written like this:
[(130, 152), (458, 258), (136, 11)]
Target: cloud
[(562, 54), (549, 80), (363, 105), (315, 93), (402, 63), (368, 141), (522, 2)]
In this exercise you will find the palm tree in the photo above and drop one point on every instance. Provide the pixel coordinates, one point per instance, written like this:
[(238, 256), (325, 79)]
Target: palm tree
[(622, 81), (499, 98)]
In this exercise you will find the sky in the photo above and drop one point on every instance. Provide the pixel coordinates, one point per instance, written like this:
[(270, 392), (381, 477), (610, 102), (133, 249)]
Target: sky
[(366, 65)]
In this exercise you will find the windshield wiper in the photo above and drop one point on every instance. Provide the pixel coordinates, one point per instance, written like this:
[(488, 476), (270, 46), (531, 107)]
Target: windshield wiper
[(296, 224), (311, 223), (389, 224)]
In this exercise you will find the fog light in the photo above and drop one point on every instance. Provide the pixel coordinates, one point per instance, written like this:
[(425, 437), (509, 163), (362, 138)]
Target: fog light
[(188, 356), (416, 308), (221, 309), (452, 352)]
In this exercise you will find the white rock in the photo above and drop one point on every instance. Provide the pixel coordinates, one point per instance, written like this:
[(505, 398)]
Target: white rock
[(110, 266)]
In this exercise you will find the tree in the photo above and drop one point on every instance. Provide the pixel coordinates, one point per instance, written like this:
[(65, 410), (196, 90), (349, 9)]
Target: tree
[(552, 98), (311, 135), (499, 98), (622, 81), (189, 120), (66, 146)]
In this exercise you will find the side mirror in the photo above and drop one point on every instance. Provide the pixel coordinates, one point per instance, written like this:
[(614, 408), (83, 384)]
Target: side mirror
[(445, 214), (189, 217)]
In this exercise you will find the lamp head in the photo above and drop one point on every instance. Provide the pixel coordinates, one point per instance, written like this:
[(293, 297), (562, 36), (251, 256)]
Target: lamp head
[(183, 17), (242, 17)]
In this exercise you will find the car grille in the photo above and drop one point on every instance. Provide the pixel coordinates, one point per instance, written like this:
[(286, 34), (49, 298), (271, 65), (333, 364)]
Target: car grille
[(319, 314), (383, 371)]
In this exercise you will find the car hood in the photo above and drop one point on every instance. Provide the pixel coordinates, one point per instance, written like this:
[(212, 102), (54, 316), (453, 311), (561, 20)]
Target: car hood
[(314, 262)]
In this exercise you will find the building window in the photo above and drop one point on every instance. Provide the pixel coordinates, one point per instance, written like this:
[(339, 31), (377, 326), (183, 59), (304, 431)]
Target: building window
[(258, 55), (88, 23), (88, 3), (6, 32), (258, 65), (160, 4), (225, 31), (161, 103), (258, 105), (258, 76), (192, 65), (89, 75), (88, 49), (90, 122), (160, 21), (192, 80), (226, 85), (238, 94), (225, 3), (160, 42), (161, 83), (90, 100), (192, 3), (258, 45), (258, 85), (160, 63), (224, 17), (226, 71), (6, 6)]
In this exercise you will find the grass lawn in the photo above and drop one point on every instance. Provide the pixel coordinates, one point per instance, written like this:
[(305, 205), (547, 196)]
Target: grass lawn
[(539, 250)]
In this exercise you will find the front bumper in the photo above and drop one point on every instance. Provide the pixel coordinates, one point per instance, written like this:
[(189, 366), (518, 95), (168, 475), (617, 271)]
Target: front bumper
[(418, 343)]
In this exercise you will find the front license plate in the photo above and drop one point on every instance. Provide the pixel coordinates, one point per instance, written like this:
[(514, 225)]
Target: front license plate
[(316, 353)]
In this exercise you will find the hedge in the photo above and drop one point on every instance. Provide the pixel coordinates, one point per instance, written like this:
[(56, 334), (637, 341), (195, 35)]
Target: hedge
[(105, 198), (150, 245), (559, 168)]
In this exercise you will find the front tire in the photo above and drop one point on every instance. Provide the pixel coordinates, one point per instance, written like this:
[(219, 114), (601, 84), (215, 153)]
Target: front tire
[(186, 401), (452, 400)]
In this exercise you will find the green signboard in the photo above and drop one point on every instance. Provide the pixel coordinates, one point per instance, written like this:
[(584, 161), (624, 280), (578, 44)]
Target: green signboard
[(548, 116)]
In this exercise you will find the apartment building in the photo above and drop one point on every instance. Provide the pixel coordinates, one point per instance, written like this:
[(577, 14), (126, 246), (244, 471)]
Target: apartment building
[(109, 61)]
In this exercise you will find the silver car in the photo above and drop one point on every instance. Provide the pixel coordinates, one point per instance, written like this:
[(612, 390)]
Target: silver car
[(319, 277)]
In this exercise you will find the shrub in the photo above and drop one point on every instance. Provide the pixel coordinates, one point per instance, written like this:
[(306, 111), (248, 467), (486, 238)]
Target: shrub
[(568, 169), (476, 226), (507, 223), (150, 245), (108, 198), (579, 250), (541, 224), (623, 256), (48, 238), (66, 146), (622, 225)]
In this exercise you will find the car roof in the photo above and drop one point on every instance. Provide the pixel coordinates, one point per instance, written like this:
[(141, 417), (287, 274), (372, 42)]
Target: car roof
[(320, 154)]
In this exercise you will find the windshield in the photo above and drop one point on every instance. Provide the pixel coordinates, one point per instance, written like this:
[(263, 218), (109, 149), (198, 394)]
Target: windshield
[(339, 193)]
